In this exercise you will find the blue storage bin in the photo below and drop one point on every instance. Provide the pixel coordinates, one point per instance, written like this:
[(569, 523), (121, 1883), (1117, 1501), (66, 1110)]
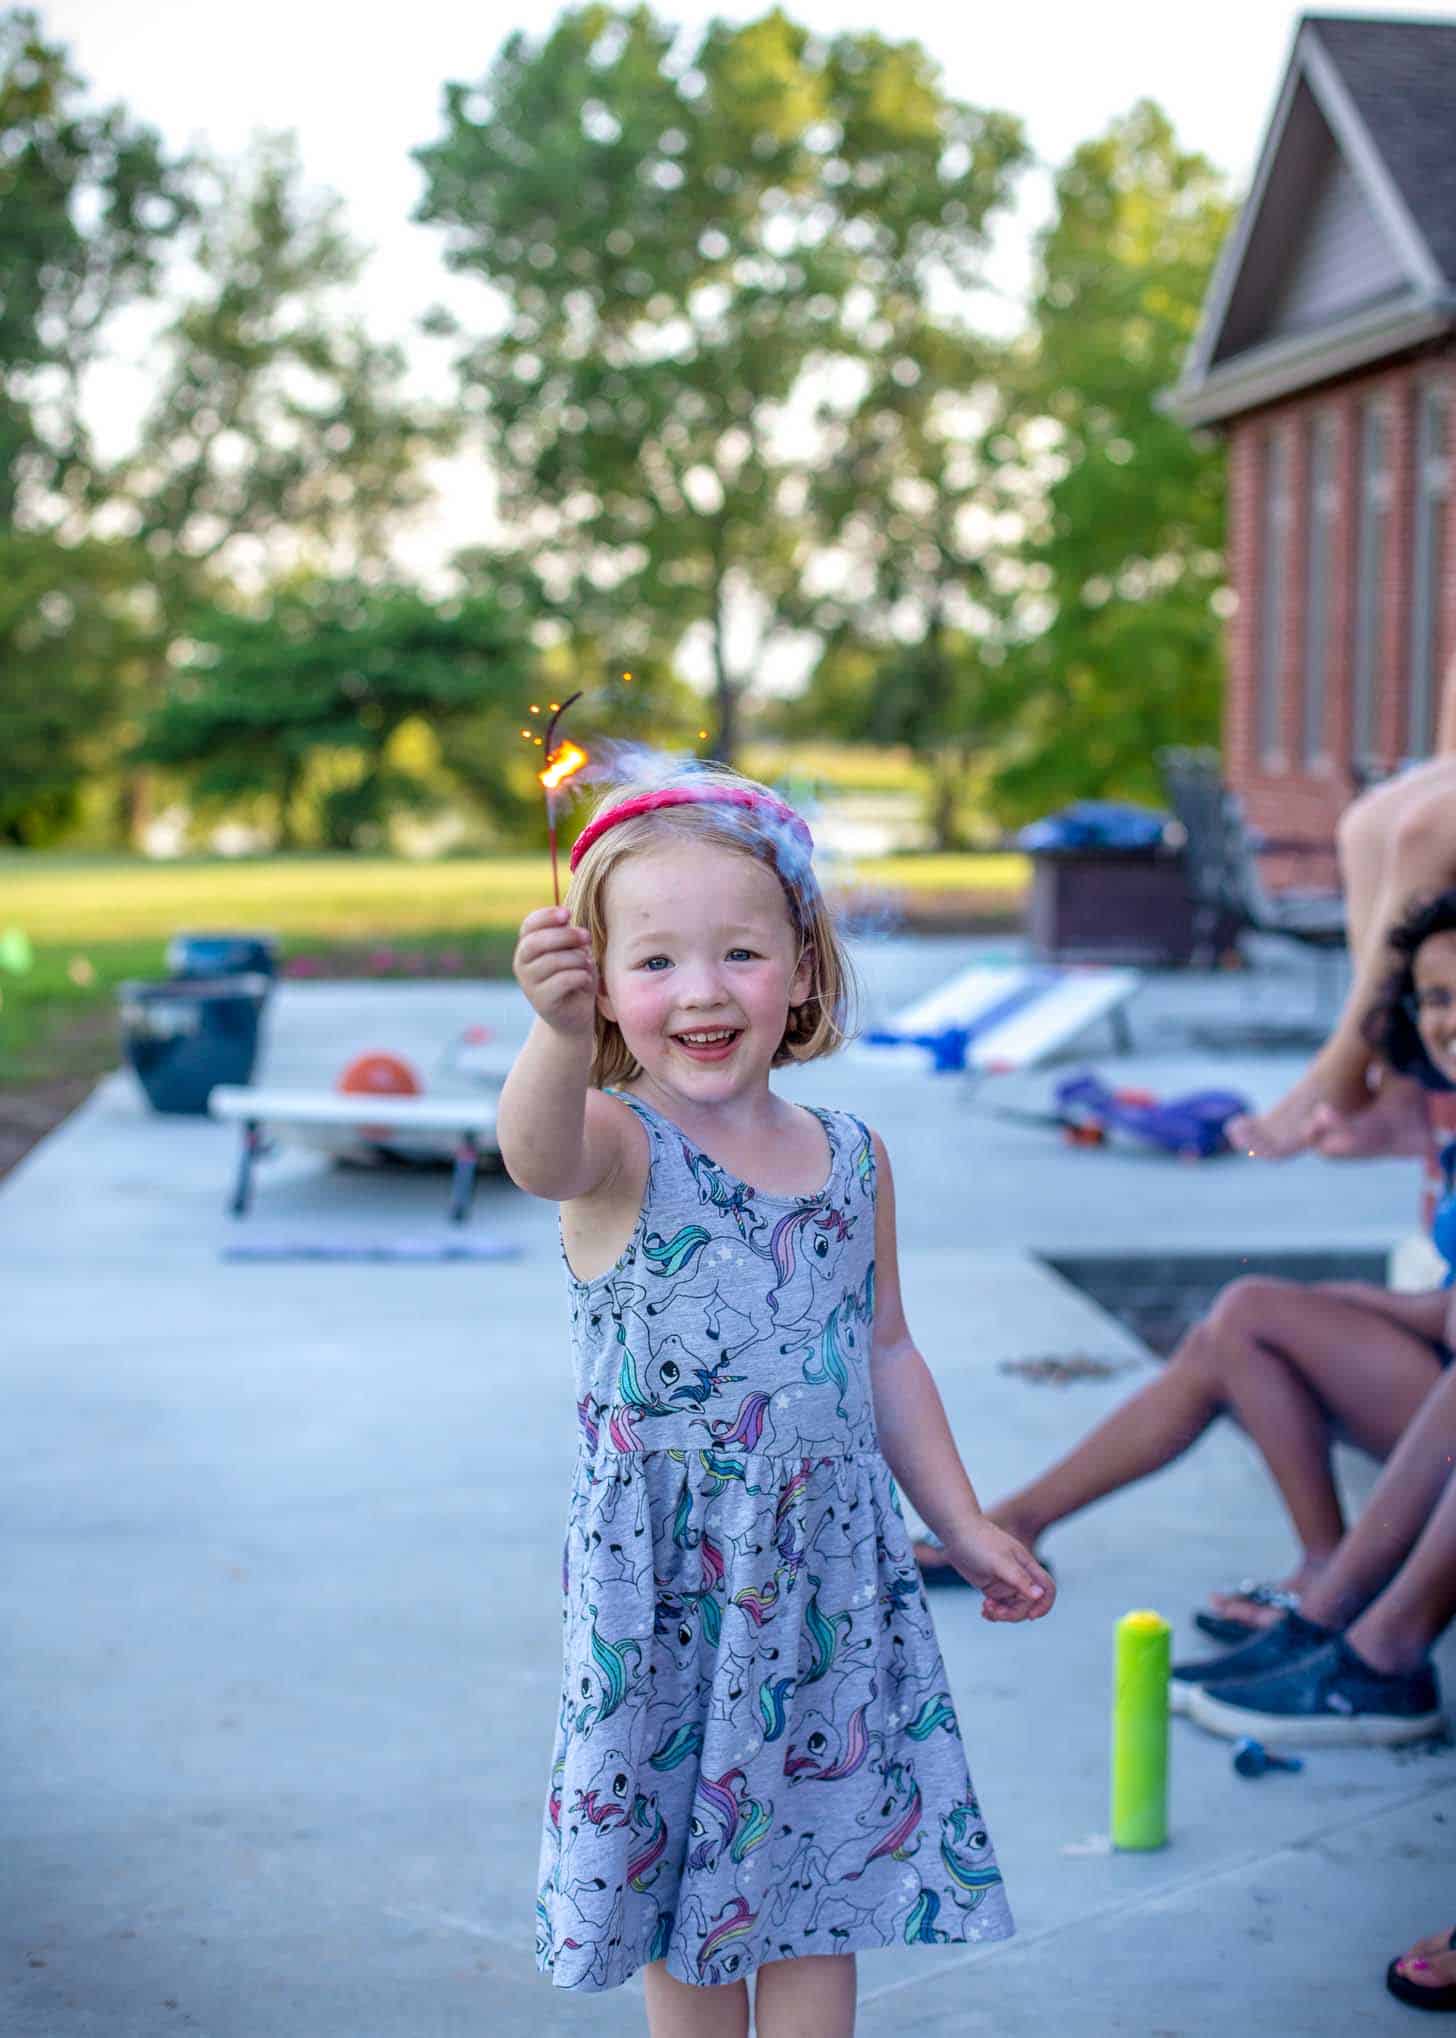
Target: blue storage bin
[(1113, 825), (221, 955)]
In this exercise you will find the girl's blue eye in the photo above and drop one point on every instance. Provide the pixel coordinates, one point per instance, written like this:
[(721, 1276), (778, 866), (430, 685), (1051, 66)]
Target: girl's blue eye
[(744, 954), (653, 960)]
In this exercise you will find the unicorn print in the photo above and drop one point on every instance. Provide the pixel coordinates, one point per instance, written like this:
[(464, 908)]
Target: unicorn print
[(757, 1753)]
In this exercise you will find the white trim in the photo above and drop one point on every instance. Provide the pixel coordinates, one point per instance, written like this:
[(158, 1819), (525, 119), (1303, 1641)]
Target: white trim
[(1231, 256), (1352, 135), (1308, 62), (1321, 436), (1281, 367)]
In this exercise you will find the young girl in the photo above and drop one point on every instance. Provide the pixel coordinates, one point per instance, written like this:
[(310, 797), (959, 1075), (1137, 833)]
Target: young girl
[(758, 1768)]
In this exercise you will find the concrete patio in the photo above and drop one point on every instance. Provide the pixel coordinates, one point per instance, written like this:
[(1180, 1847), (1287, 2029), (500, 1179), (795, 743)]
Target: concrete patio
[(282, 1582)]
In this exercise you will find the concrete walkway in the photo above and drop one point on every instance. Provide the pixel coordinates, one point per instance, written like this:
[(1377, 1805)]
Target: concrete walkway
[(281, 1586)]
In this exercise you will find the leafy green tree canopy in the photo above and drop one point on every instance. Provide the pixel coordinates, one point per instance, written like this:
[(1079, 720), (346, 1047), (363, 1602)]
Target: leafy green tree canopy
[(88, 203), (689, 250), (282, 438), (1124, 550), (336, 669), (65, 643)]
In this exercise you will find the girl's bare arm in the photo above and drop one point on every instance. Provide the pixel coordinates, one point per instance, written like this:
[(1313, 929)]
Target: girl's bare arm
[(915, 1436), (557, 1137), (916, 1440)]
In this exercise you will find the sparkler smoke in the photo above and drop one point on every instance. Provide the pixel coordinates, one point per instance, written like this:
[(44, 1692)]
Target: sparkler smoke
[(631, 767)]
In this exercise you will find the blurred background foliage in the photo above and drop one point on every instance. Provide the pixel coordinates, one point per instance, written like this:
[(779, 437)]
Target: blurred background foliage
[(731, 378)]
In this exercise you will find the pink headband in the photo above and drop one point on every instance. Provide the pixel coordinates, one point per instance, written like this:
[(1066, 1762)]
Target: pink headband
[(692, 796)]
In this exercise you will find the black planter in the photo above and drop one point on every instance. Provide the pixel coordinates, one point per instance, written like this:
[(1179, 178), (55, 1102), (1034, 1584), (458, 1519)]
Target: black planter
[(1111, 906), (186, 1035)]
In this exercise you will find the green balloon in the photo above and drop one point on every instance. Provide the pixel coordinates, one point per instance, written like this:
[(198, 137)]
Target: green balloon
[(16, 952)]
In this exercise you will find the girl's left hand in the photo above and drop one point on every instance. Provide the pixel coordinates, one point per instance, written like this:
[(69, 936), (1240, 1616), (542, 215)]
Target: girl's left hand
[(1013, 1585)]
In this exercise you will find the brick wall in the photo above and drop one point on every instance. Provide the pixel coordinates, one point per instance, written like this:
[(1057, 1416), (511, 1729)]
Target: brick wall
[(1286, 793)]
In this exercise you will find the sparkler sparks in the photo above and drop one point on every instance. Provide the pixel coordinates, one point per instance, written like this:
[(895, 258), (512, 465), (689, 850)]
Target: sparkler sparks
[(565, 762)]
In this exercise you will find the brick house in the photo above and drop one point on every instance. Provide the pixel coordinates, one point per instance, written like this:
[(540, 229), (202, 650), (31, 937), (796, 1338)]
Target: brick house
[(1327, 356)]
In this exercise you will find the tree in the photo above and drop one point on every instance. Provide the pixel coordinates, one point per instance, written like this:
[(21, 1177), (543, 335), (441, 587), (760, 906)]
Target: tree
[(313, 690), (687, 250), (904, 600), (1124, 507), (281, 439), (950, 695), (64, 642), (88, 203)]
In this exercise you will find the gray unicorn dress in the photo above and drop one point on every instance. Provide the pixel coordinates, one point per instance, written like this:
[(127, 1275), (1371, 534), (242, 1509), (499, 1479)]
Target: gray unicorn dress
[(757, 1756)]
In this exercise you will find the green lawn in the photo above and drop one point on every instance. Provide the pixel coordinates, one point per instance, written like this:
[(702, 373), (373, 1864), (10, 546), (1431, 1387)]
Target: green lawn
[(96, 921)]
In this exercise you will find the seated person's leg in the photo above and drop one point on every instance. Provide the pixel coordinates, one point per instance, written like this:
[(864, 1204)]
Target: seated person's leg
[(1283, 1359), (1354, 1663)]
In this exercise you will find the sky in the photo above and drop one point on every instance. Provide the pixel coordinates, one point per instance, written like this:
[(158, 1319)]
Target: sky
[(362, 85)]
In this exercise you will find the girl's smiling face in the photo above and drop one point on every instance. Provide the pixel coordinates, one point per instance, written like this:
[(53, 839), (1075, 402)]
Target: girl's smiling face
[(701, 968), (1434, 999)]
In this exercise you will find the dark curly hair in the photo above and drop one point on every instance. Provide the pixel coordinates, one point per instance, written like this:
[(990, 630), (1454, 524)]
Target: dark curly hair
[(1390, 1026)]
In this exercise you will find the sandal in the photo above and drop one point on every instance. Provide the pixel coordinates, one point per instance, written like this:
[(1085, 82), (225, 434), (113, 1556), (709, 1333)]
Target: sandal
[(1406, 1991), (1220, 1627)]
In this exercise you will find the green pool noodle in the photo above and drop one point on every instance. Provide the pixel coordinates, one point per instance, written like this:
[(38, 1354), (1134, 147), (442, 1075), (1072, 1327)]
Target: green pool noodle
[(1140, 1732)]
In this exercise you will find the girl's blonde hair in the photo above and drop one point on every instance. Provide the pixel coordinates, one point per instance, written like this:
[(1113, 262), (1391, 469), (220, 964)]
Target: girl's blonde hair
[(825, 1020)]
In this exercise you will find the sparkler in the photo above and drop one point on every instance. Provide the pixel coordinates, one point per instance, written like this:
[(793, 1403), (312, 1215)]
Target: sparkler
[(563, 761)]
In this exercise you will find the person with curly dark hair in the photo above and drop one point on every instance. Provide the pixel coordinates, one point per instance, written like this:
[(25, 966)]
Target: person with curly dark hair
[(1292, 1362), (1397, 841)]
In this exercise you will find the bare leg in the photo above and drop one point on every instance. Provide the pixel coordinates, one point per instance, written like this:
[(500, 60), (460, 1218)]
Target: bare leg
[(1282, 1359), (676, 2010), (809, 1998), (1392, 1582), (1396, 843)]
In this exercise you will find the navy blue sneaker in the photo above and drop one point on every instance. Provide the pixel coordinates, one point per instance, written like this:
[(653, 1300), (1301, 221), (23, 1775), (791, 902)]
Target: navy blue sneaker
[(1274, 1649), (1327, 1698)]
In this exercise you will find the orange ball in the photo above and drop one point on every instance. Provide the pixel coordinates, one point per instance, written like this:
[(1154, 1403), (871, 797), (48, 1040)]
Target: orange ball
[(379, 1075)]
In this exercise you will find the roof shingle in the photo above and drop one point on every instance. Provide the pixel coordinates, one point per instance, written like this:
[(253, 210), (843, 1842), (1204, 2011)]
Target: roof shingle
[(1401, 76)]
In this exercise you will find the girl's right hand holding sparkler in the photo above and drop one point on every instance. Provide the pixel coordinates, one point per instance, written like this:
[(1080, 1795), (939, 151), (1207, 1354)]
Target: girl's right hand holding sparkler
[(554, 967), (558, 1138)]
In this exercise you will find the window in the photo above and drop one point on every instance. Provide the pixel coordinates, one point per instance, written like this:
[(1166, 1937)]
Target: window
[(1370, 580), (1271, 619), (1432, 481), (1323, 498)]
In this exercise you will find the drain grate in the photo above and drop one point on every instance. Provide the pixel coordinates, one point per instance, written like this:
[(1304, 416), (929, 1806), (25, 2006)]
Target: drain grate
[(1160, 1296)]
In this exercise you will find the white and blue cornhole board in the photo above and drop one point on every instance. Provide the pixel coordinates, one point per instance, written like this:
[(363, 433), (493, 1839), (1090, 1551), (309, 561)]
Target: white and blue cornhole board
[(357, 1126), (995, 1019)]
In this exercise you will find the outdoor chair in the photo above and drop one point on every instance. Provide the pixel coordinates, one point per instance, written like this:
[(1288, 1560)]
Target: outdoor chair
[(1222, 854)]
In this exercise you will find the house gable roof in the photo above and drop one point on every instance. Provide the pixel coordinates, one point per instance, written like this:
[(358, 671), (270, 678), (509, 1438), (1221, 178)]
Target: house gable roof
[(1401, 81), (1345, 250)]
